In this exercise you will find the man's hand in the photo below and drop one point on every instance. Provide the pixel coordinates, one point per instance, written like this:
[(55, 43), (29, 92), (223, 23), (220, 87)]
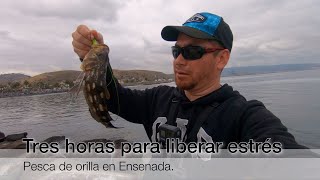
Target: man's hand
[(82, 40)]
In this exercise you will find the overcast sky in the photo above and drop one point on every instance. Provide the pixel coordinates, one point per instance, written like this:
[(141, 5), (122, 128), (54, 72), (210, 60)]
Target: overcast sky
[(35, 35)]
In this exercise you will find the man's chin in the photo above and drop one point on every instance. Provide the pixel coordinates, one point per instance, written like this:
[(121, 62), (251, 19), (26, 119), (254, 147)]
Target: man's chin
[(185, 85)]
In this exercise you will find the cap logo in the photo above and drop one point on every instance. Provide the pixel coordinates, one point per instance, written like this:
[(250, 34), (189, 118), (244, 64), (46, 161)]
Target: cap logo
[(196, 18)]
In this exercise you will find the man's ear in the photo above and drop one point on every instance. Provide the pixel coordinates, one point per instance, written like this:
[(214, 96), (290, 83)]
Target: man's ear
[(223, 58)]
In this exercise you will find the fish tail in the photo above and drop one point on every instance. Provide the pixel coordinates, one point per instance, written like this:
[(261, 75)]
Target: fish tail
[(110, 125)]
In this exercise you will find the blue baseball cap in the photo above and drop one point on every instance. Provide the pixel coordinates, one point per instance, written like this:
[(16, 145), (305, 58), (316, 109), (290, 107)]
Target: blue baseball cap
[(202, 26)]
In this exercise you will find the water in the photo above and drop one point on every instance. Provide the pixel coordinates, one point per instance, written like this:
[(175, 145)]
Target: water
[(291, 96), (43, 116)]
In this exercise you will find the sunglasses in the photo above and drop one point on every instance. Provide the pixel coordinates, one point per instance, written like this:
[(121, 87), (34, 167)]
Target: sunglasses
[(191, 52)]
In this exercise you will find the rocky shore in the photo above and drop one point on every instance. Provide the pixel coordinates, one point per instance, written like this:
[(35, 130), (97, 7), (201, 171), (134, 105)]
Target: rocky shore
[(51, 91), (30, 93), (14, 141)]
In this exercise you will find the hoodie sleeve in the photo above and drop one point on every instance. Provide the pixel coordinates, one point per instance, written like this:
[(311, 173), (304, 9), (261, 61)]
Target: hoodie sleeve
[(132, 105), (260, 124)]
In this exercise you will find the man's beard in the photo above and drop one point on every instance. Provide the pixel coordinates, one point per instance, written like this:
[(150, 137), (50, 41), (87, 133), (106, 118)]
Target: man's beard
[(185, 85)]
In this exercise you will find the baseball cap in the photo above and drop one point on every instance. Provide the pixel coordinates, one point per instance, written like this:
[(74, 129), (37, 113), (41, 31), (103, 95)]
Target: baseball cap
[(202, 26)]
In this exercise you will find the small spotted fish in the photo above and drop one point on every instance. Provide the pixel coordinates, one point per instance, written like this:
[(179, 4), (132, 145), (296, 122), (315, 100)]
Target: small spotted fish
[(95, 66)]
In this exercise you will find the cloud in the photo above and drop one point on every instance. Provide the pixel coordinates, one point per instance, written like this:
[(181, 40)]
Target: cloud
[(72, 9), (36, 35)]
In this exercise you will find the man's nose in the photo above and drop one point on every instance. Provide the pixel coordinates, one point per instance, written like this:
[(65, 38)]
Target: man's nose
[(180, 60)]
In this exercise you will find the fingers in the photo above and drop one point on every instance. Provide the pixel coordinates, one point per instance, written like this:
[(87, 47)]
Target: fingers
[(80, 49), (80, 46), (100, 38), (97, 36), (82, 35), (81, 53), (84, 31), (82, 40)]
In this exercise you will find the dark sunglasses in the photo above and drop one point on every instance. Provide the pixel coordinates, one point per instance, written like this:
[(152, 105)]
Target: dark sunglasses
[(191, 52)]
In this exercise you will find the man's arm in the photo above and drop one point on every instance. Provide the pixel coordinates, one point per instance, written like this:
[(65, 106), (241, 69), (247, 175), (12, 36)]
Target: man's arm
[(260, 124), (132, 105)]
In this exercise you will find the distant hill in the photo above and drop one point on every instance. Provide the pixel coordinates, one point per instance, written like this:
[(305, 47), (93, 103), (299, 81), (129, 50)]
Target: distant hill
[(134, 77), (13, 77), (238, 71), (55, 77), (143, 76), (126, 77)]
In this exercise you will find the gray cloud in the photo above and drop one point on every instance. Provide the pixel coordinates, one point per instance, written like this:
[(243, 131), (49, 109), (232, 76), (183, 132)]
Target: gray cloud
[(75, 10), (4, 34), (36, 35)]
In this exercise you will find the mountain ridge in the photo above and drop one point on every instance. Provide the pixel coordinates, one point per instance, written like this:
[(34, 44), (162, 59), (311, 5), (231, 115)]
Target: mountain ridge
[(133, 77)]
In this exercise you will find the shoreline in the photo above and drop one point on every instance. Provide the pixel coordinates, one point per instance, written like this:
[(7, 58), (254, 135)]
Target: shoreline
[(31, 93), (52, 91)]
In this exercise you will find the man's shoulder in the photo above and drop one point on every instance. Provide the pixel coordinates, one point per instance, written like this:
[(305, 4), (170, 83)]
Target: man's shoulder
[(252, 111), (241, 107), (161, 89), (239, 101), (227, 96)]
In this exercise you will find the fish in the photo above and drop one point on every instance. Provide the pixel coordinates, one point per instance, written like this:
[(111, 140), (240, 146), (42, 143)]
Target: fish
[(94, 66)]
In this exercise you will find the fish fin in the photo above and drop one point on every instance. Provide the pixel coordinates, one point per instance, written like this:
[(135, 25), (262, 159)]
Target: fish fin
[(107, 93), (74, 91), (95, 116), (110, 125), (78, 83), (106, 124)]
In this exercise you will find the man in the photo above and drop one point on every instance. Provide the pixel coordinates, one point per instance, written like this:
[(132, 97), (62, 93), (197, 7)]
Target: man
[(199, 106)]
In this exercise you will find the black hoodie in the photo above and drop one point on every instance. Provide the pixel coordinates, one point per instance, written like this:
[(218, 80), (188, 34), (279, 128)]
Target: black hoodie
[(234, 120)]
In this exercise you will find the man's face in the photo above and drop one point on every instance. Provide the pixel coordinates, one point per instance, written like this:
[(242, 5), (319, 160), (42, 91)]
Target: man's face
[(195, 74)]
